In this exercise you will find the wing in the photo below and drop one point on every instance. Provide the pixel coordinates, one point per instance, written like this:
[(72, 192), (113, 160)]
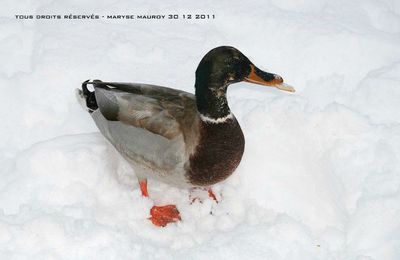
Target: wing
[(159, 110)]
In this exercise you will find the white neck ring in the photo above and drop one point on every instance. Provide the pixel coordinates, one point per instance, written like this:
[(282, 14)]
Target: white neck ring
[(218, 120)]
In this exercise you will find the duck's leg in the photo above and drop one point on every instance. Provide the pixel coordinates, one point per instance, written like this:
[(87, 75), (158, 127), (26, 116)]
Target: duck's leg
[(211, 194), (160, 215), (143, 187)]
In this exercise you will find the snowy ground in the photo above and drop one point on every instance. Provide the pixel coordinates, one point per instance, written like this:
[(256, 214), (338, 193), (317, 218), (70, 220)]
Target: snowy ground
[(320, 178)]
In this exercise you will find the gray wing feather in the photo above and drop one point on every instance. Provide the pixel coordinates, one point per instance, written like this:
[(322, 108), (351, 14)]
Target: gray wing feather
[(156, 113)]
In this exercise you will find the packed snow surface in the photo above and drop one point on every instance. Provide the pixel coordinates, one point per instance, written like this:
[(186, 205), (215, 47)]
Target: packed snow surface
[(320, 177)]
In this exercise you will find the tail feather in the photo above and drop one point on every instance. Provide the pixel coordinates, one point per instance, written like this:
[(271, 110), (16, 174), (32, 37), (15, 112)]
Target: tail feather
[(87, 98)]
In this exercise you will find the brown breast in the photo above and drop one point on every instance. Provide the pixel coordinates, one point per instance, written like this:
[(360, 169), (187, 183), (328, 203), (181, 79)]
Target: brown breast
[(218, 153)]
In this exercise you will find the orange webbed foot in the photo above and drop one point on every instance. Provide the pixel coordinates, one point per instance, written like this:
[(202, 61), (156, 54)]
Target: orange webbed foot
[(160, 215), (163, 215)]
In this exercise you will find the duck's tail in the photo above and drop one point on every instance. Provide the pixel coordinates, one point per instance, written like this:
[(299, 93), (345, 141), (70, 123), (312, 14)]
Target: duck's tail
[(87, 98)]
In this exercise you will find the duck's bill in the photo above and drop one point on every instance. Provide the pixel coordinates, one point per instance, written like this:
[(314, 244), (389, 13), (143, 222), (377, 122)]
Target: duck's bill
[(285, 87), (258, 76)]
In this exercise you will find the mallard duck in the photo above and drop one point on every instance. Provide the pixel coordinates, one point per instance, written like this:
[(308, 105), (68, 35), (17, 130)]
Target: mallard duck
[(173, 136)]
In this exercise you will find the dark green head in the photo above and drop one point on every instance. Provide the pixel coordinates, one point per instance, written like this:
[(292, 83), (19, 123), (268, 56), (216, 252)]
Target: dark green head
[(221, 67)]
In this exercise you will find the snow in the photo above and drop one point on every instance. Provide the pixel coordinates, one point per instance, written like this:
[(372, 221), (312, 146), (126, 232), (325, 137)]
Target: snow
[(320, 175)]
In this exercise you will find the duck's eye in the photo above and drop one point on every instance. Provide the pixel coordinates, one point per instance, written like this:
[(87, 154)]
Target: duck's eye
[(232, 62)]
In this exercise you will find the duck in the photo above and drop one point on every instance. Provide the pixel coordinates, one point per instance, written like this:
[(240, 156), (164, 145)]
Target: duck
[(185, 140)]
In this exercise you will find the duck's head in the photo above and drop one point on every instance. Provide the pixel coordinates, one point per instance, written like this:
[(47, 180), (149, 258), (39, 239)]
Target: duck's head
[(221, 67)]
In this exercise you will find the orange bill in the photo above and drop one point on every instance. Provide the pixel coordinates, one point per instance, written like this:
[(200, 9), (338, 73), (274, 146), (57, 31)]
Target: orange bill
[(258, 76)]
